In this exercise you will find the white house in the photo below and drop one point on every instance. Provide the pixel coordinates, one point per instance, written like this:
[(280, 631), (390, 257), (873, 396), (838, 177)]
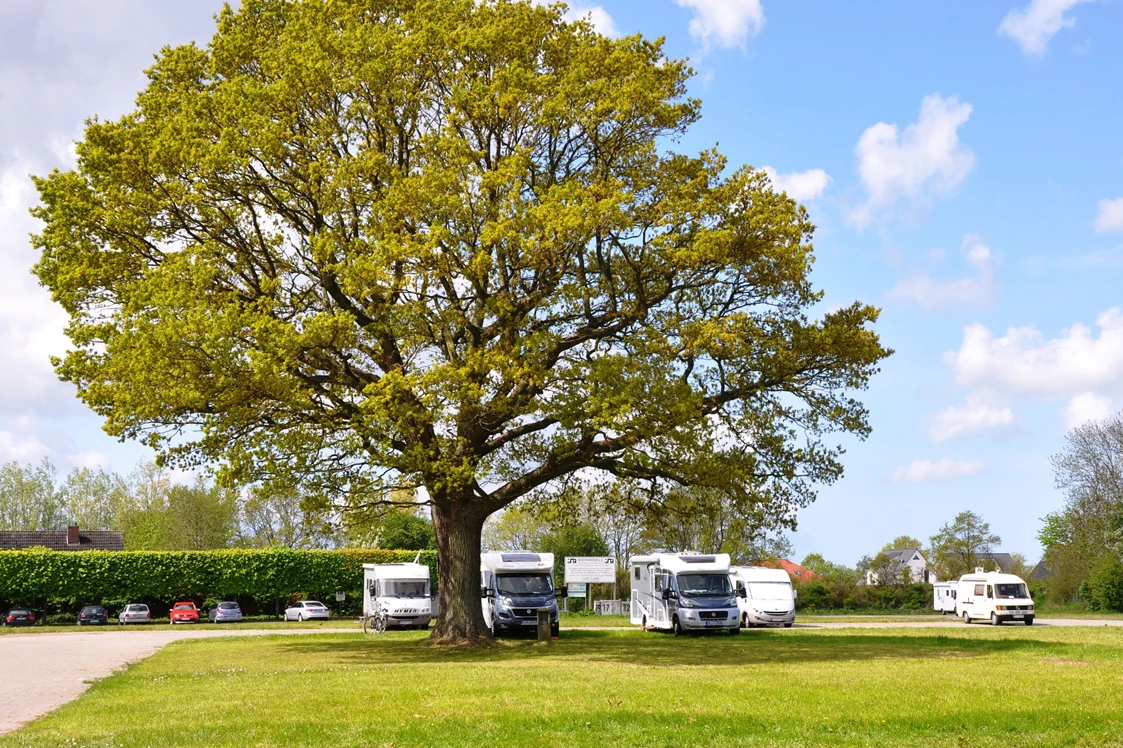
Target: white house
[(912, 564)]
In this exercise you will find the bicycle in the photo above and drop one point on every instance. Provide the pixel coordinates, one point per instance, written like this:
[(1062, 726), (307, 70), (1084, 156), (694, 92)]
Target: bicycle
[(374, 623)]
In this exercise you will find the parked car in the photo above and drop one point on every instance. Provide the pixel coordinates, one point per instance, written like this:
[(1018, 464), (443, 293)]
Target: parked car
[(184, 612), (93, 615), (134, 613), (224, 612), (19, 617), (306, 610)]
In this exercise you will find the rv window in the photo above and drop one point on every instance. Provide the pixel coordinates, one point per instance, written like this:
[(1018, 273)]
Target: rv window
[(990, 591), (658, 582), (953, 594), (979, 590), (740, 585), (637, 572), (1011, 590), (417, 588), (524, 584)]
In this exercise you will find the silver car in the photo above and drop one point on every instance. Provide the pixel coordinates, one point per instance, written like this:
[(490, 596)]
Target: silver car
[(225, 612), (306, 610), (135, 613)]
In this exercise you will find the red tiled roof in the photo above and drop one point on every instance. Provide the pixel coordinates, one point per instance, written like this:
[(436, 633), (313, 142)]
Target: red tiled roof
[(89, 540), (795, 571)]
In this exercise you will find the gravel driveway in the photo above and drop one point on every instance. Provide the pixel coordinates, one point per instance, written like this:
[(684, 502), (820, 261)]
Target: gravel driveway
[(49, 669)]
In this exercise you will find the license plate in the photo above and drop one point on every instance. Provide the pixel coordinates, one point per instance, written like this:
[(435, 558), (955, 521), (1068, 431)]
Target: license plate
[(1019, 615), (530, 623), (714, 623)]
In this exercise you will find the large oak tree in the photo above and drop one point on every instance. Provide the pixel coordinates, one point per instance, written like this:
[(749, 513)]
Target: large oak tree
[(362, 246)]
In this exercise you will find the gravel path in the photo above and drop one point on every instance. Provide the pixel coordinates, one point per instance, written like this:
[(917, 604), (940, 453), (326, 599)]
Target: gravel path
[(43, 671)]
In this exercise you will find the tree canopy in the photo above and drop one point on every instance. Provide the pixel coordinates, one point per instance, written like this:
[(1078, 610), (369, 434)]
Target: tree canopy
[(957, 545), (374, 245)]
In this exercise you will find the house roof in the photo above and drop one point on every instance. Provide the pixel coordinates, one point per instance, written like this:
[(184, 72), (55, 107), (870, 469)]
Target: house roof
[(797, 572), (1040, 572), (55, 540), (904, 555), (1004, 560)]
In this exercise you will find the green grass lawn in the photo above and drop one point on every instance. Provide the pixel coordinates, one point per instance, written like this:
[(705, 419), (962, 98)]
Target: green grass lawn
[(971, 687)]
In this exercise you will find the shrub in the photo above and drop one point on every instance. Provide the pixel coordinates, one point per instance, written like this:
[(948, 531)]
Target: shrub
[(1105, 584)]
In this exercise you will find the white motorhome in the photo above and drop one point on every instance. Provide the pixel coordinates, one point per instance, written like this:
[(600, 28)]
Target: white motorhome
[(995, 597), (515, 585), (764, 596), (402, 590), (943, 597), (683, 591)]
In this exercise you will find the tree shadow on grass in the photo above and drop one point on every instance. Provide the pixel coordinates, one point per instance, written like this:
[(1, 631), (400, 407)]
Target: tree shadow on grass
[(657, 649)]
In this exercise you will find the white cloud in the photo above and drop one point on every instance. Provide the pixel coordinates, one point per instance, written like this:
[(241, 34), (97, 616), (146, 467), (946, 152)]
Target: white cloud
[(1109, 215), (1086, 406), (1033, 26), (920, 471), (724, 23), (927, 158), (931, 293), (978, 413), (594, 14), (1023, 361), (799, 185)]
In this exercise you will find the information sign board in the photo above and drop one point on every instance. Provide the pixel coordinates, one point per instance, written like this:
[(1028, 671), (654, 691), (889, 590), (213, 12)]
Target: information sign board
[(578, 590), (585, 569)]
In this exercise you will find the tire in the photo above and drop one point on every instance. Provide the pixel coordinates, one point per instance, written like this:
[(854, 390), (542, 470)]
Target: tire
[(744, 620), (643, 623), (735, 632), (1029, 620), (994, 620), (787, 625), (555, 630), (967, 618), (300, 618), (676, 627), (494, 629)]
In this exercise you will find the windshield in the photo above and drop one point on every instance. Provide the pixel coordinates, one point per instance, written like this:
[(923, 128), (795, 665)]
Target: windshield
[(228, 606), (770, 590), (411, 588), (704, 585), (524, 584), (1010, 590)]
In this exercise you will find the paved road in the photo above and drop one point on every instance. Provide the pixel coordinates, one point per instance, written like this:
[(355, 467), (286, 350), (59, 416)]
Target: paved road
[(50, 669), (58, 667)]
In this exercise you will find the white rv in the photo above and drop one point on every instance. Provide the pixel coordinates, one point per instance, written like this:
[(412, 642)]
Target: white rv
[(764, 596), (943, 597), (515, 585), (995, 597), (402, 590), (683, 591)]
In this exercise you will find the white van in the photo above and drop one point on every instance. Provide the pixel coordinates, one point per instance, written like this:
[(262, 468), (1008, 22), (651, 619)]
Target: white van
[(683, 591), (995, 597), (764, 596), (402, 590), (515, 584), (943, 597)]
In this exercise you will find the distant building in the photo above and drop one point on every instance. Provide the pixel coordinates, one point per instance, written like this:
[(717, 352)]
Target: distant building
[(795, 571), (70, 539), (1003, 562), (911, 564)]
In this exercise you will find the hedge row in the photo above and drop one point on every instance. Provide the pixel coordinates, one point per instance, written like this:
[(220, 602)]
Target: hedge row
[(828, 595), (261, 574)]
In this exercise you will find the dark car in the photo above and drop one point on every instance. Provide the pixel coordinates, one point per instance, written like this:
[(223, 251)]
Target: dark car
[(93, 615), (19, 617)]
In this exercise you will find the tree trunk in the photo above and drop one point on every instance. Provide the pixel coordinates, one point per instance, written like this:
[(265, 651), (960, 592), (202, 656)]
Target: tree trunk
[(460, 618)]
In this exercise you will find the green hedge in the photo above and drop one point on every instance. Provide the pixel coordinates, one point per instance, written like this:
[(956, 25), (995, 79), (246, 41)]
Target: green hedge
[(172, 575), (826, 595)]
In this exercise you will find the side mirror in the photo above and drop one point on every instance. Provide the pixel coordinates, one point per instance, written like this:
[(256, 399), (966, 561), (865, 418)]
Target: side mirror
[(667, 594), (741, 593), (1032, 595), (485, 592), (563, 592)]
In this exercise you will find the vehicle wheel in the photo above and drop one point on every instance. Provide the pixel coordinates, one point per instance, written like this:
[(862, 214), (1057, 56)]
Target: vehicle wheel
[(966, 617), (555, 630), (300, 618), (643, 623), (676, 627), (1029, 620), (994, 619), (494, 629), (787, 625), (744, 621), (735, 632)]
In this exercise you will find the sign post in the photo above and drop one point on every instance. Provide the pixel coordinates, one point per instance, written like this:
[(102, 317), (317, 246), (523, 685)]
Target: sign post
[(585, 570)]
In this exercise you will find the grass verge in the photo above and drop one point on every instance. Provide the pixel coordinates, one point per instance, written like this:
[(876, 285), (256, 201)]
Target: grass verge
[(978, 687)]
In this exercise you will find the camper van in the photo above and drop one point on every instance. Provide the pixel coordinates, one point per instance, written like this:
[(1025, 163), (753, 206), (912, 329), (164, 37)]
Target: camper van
[(683, 592), (764, 596), (402, 590), (943, 597), (995, 597), (515, 585)]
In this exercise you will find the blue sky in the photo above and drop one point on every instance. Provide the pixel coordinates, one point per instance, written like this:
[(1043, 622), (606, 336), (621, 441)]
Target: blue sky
[(962, 160)]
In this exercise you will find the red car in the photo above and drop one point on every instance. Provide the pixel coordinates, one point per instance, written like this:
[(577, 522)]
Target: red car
[(184, 613)]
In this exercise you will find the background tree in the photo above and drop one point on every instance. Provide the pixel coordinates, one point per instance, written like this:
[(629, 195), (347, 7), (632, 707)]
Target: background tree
[(883, 569), (1090, 473), (405, 530), (515, 528), (956, 547), (830, 571), (902, 542), (276, 519), (382, 244), (29, 498)]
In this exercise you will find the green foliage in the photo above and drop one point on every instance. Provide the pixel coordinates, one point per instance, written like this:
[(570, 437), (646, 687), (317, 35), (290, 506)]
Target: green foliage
[(830, 571), (1105, 584), (827, 595), (405, 530), (572, 540), (956, 547), (171, 575), (901, 542)]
